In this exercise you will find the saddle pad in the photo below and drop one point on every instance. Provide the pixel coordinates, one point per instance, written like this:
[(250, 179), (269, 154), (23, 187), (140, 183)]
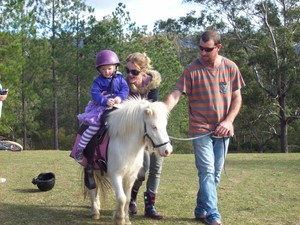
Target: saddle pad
[(99, 151)]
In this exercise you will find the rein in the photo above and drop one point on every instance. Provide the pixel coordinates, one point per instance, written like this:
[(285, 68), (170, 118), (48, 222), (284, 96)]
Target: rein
[(153, 144)]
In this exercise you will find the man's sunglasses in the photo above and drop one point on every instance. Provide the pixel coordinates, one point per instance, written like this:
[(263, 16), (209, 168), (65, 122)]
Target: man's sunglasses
[(133, 72), (206, 49)]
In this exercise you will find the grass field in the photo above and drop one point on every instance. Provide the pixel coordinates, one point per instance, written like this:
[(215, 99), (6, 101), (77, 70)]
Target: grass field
[(259, 189)]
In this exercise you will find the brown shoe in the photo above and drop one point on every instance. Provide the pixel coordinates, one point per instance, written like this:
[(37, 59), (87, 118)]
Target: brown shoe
[(216, 223), (202, 219)]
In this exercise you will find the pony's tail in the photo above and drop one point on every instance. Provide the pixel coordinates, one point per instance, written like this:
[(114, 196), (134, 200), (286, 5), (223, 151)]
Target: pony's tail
[(103, 184)]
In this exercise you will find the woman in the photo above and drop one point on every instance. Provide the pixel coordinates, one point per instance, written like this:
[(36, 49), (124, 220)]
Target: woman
[(144, 82)]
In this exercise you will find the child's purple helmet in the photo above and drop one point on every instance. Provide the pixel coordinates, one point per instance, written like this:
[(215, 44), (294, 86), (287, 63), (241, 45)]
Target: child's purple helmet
[(107, 57)]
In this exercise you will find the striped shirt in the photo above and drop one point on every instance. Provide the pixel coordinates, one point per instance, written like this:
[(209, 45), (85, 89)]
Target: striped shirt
[(209, 91)]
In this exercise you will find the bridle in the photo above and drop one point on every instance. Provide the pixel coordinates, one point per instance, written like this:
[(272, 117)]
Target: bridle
[(148, 136)]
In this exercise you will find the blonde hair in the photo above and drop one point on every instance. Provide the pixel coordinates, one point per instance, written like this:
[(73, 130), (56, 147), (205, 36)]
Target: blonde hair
[(107, 65), (140, 60)]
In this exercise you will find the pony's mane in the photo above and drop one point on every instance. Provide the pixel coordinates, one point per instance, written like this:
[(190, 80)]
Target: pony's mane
[(130, 115)]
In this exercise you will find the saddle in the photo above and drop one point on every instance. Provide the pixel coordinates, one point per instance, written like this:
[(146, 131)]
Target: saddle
[(95, 153)]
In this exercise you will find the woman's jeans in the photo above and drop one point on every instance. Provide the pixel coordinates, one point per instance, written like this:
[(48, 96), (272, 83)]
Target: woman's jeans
[(153, 163), (210, 154)]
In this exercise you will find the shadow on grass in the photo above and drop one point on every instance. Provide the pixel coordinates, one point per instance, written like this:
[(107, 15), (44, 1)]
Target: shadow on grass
[(13, 214), (140, 219), (27, 190)]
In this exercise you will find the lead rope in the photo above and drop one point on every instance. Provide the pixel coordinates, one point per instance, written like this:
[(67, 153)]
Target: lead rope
[(201, 136)]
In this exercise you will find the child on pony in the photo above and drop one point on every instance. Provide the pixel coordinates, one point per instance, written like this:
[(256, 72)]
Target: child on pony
[(108, 89)]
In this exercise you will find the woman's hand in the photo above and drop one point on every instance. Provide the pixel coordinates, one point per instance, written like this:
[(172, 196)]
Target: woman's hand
[(3, 97)]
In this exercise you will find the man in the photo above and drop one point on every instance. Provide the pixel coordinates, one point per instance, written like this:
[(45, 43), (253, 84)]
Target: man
[(212, 84), (3, 96)]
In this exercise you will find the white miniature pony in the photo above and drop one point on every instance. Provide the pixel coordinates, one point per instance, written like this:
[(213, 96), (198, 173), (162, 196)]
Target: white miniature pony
[(136, 124)]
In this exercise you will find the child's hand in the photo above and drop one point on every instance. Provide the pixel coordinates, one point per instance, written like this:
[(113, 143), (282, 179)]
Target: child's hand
[(110, 102), (118, 100)]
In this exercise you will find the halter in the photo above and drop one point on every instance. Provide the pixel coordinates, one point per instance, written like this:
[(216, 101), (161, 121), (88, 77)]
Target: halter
[(148, 136)]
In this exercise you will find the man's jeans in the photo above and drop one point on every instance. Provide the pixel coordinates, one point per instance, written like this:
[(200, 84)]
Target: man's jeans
[(210, 154)]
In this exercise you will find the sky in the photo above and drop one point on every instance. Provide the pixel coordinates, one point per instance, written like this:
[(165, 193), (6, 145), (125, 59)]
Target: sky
[(144, 12)]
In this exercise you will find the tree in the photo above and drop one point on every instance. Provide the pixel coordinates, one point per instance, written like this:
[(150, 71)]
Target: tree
[(9, 77), (268, 32), (55, 18)]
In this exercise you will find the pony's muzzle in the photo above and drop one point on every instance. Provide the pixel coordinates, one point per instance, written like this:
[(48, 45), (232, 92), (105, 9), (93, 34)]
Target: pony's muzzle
[(168, 150)]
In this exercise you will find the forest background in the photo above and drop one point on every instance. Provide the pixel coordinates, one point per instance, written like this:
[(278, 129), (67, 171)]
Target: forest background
[(47, 60)]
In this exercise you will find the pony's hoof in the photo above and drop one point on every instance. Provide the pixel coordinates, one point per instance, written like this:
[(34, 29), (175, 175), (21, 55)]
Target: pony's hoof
[(96, 216)]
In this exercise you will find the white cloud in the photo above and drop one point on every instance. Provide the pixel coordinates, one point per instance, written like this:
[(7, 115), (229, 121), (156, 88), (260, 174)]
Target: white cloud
[(144, 12)]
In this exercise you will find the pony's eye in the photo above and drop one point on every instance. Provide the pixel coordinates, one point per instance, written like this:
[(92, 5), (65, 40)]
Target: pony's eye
[(154, 127)]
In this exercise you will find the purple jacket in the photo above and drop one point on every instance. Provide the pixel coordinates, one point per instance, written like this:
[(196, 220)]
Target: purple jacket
[(115, 86)]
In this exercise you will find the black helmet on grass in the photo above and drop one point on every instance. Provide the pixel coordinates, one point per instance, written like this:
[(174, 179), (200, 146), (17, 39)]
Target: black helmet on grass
[(44, 181)]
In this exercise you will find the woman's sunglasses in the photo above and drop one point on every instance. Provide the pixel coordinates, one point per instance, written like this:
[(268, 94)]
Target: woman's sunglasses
[(133, 72), (206, 49)]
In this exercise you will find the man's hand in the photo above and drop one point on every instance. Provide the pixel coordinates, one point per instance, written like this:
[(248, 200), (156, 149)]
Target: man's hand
[(224, 129)]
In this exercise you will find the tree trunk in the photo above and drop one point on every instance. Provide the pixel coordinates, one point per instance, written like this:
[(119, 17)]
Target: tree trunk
[(24, 113), (55, 119), (283, 126)]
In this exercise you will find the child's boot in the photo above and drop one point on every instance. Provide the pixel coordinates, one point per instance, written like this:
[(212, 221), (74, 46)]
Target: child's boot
[(150, 210)]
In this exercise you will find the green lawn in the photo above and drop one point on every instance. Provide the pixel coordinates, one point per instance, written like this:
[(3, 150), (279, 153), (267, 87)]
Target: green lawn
[(258, 189)]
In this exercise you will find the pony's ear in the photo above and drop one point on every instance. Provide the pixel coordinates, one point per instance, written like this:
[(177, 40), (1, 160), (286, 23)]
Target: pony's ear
[(148, 112)]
